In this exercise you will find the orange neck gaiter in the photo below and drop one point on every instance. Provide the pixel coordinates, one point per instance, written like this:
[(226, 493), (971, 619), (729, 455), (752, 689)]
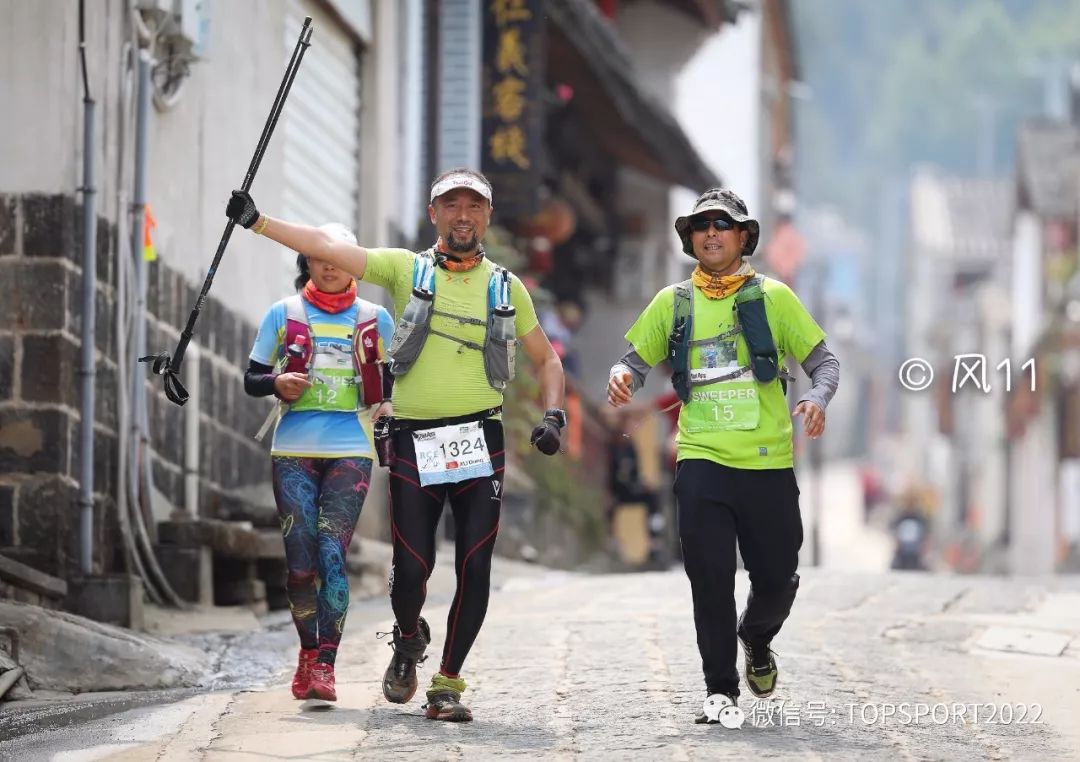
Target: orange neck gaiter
[(338, 302), (456, 264)]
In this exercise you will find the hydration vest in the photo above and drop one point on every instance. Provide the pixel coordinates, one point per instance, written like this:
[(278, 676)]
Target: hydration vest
[(750, 320), (332, 390), (414, 325)]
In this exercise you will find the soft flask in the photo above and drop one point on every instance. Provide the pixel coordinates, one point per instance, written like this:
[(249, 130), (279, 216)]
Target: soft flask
[(384, 442)]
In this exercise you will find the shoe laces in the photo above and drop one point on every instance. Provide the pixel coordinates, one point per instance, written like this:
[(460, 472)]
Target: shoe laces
[(396, 633), (760, 655), (404, 662)]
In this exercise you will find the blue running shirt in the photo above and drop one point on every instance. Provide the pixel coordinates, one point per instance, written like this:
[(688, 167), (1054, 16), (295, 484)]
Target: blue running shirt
[(318, 433)]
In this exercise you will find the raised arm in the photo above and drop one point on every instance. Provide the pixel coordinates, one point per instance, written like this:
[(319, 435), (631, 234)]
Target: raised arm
[(304, 239)]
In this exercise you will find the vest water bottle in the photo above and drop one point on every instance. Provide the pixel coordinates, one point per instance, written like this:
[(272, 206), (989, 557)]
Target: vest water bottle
[(411, 331), (500, 348)]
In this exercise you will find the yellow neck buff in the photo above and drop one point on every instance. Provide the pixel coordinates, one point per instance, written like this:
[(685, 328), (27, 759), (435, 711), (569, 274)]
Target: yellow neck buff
[(722, 286)]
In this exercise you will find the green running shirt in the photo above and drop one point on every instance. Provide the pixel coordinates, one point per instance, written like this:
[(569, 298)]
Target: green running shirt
[(447, 379), (759, 436)]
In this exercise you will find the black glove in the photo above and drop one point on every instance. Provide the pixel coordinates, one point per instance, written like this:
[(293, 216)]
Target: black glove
[(241, 209), (546, 436)]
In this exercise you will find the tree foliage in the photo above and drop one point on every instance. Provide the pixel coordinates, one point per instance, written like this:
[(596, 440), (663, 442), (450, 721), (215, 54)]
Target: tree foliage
[(902, 82)]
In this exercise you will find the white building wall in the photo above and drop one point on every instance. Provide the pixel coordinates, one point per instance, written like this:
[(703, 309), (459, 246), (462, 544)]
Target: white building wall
[(920, 417), (718, 103), (460, 98), (990, 480), (380, 165), (1027, 285), (1033, 498), (201, 147), (44, 110), (641, 273), (1033, 476), (661, 42), (725, 130)]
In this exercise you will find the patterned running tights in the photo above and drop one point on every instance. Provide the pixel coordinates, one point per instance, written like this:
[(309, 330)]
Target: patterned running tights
[(319, 502)]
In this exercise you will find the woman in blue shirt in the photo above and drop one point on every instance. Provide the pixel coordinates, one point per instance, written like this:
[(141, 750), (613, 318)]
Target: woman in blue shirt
[(320, 353)]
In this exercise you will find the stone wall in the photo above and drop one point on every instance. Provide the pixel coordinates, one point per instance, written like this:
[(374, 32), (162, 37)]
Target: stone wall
[(40, 325)]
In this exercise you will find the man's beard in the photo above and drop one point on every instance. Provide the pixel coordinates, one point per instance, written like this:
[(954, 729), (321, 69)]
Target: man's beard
[(461, 248)]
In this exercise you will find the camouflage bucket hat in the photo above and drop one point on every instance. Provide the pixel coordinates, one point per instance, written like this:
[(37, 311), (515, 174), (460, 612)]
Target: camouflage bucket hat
[(728, 203)]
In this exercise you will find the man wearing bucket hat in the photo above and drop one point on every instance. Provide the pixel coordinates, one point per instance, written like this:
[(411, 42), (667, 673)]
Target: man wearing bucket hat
[(460, 317), (726, 333)]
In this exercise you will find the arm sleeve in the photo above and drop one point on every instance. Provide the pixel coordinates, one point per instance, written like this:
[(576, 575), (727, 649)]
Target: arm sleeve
[(259, 379), (632, 363), (823, 369)]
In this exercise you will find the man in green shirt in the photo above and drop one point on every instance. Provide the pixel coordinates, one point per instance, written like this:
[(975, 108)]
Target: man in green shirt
[(735, 480), (460, 317)]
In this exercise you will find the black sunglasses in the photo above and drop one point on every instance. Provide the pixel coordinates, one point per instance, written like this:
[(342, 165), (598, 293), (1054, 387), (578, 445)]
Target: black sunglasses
[(702, 224)]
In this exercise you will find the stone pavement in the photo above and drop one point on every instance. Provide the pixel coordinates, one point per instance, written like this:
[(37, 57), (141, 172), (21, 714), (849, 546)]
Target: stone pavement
[(605, 667)]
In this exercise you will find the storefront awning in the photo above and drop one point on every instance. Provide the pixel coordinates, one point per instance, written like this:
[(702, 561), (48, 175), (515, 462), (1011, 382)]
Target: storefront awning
[(630, 123)]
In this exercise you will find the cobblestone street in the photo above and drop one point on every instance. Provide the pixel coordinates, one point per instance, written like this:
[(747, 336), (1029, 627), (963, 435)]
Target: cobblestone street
[(605, 667)]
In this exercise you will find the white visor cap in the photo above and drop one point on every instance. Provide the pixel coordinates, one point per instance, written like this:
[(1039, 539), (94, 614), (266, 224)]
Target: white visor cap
[(337, 230), (460, 180)]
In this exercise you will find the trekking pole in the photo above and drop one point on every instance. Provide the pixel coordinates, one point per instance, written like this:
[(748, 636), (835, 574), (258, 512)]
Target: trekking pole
[(169, 366)]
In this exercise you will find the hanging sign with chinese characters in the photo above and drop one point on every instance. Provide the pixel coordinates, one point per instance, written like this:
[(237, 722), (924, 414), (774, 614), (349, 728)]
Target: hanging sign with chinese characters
[(512, 129)]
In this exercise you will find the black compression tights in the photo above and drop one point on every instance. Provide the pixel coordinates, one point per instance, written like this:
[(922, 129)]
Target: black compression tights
[(414, 520)]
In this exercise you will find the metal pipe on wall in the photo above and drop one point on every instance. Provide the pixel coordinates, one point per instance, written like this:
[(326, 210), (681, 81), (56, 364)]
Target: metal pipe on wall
[(87, 367), (191, 432), (87, 371), (138, 209)]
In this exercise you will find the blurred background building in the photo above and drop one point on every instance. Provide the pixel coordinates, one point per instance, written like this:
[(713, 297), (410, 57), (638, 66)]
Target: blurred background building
[(938, 178)]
